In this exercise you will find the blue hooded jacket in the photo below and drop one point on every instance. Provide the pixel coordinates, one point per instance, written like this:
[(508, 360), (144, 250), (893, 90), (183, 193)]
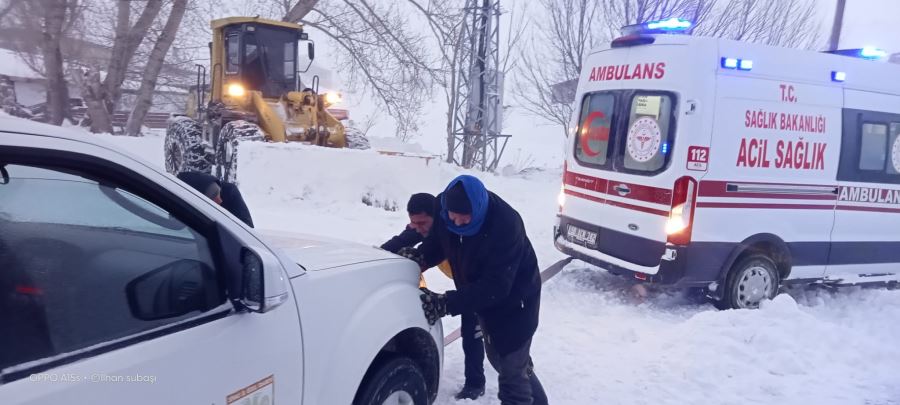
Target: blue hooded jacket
[(478, 197)]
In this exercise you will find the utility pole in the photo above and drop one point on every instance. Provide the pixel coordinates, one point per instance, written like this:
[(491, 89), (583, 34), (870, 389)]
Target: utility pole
[(476, 141), (837, 26)]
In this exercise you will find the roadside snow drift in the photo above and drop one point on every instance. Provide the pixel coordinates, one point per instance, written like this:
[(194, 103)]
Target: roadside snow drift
[(597, 343)]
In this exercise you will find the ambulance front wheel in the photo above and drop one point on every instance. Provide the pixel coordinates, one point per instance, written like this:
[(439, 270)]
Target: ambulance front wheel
[(750, 281)]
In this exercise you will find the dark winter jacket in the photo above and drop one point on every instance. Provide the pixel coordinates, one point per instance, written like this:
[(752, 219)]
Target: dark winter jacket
[(408, 238), (495, 271), (232, 200)]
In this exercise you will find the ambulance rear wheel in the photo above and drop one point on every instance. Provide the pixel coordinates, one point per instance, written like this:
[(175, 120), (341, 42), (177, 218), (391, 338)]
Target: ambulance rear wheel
[(751, 280)]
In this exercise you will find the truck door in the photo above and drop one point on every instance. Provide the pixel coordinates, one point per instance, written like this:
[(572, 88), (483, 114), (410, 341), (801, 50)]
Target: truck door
[(91, 263)]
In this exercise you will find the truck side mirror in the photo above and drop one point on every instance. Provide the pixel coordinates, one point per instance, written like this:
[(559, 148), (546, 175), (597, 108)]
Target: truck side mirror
[(173, 290), (263, 286), (310, 54), (254, 283)]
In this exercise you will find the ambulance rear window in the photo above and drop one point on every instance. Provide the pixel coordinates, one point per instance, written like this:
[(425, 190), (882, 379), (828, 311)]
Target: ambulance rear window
[(873, 152), (647, 134), (592, 140), (626, 131)]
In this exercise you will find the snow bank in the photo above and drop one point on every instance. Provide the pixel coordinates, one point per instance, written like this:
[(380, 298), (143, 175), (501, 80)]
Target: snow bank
[(596, 344)]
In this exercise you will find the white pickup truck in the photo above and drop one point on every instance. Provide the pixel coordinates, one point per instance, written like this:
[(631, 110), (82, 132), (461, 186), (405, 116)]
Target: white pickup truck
[(121, 284)]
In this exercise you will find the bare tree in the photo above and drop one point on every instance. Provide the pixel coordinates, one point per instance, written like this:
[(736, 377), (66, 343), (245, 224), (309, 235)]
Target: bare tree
[(787, 23), (153, 68), (8, 7), (44, 26), (572, 27), (57, 91), (102, 98), (299, 10), (381, 54), (555, 55)]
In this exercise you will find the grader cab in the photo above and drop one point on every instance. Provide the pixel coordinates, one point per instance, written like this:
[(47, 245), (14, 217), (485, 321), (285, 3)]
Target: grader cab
[(255, 92)]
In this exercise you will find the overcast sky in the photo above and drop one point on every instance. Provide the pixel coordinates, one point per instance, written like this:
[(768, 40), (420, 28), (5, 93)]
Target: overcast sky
[(866, 22)]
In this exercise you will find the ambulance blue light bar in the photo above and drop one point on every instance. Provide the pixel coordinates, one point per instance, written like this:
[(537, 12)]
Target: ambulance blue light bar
[(871, 52), (672, 24), (669, 26), (839, 77)]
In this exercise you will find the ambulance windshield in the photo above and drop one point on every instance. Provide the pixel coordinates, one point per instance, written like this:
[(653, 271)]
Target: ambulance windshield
[(626, 131)]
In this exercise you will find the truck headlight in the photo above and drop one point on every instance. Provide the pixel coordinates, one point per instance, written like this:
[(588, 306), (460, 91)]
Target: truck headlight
[(235, 90)]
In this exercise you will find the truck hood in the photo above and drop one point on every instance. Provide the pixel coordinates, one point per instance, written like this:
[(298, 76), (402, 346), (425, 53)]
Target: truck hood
[(315, 253)]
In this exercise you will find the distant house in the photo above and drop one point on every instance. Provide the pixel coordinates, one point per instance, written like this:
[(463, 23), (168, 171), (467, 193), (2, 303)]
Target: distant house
[(29, 86)]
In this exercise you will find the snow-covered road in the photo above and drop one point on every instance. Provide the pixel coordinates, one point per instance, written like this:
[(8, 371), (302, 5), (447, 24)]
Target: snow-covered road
[(597, 343)]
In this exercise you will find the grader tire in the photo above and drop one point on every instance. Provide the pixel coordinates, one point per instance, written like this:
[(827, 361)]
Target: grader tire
[(227, 148), (185, 150)]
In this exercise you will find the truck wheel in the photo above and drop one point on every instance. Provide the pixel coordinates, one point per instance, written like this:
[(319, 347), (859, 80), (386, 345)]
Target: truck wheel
[(750, 281), (185, 150), (227, 147), (397, 381)]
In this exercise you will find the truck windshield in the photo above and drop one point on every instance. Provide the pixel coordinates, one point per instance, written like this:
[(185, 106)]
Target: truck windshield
[(270, 62), (626, 131)]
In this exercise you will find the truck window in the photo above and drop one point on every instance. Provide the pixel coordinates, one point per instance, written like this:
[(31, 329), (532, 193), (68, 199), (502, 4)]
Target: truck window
[(69, 252), (232, 59), (647, 135), (594, 129), (873, 151)]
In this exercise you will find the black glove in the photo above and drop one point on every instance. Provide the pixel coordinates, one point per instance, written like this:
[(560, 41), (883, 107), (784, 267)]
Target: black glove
[(434, 305), (413, 254)]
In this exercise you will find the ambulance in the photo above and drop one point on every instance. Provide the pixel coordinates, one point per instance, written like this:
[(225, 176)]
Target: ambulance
[(733, 167)]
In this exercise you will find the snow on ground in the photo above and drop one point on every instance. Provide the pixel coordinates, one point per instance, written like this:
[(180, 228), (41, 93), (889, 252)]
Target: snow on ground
[(597, 343)]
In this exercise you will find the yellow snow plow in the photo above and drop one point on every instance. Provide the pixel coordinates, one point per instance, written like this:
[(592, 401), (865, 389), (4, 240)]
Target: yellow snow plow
[(255, 92)]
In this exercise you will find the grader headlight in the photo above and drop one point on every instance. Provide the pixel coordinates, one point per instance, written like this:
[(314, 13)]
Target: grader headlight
[(235, 90), (332, 98)]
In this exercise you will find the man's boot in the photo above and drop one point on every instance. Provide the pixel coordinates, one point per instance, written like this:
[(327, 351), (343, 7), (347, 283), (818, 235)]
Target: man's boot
[(470, 392)]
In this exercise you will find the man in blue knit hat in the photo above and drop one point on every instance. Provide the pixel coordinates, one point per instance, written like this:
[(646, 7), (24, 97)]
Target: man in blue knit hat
[(497, 277)]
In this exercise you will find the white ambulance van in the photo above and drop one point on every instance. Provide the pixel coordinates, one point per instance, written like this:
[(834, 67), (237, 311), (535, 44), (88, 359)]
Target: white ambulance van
[(702, 162)]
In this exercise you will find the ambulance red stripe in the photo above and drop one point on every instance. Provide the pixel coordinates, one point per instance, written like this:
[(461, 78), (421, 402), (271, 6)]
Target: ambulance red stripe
[(714, 188), (765, 206), (618, 204), (637, 192)]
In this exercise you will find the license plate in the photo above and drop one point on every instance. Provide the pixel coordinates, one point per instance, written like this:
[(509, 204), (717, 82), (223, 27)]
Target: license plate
[(581, 236)]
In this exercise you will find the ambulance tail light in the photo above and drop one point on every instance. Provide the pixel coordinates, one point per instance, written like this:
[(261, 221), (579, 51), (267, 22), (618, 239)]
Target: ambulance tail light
[(681, 216)]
